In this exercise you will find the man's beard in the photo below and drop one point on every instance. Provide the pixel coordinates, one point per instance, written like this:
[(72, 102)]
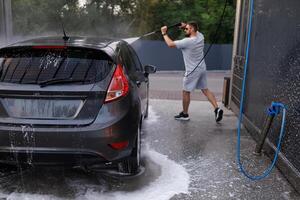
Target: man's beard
[(187, 34)]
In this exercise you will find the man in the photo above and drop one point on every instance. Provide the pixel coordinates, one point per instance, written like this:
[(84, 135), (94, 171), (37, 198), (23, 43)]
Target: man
[(195, 72)]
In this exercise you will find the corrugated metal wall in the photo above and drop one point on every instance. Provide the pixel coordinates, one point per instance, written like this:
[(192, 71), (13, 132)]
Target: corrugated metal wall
[(273, 75)]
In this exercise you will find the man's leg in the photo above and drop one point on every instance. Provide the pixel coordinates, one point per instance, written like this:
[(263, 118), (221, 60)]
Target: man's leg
[(186, 99), (185, 105), (211, 97)]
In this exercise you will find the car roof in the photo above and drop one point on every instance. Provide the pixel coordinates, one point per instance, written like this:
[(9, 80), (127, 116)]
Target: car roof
[(105, 44)]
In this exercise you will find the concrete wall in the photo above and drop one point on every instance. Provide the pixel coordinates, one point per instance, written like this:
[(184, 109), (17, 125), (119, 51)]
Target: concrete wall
[(157, 53), (273, 75)]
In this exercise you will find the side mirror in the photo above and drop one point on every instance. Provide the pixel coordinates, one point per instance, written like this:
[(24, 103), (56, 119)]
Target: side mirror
[(149, 69)]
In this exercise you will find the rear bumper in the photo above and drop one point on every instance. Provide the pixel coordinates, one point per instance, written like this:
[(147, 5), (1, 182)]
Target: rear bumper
[(73, 145), (46, 157)]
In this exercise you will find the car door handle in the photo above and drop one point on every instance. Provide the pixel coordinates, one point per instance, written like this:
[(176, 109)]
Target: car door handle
[(138, 83)]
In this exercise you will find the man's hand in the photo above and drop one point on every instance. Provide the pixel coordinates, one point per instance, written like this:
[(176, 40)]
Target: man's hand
[(168, 40), (183, 25), (164, 30)]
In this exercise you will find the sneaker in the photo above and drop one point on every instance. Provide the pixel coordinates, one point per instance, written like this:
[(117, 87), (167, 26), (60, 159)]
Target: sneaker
[(182, 116), (218, 114)]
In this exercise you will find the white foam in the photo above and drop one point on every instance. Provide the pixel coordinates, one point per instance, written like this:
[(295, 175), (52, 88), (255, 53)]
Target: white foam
[(24, 196), (174, 180)]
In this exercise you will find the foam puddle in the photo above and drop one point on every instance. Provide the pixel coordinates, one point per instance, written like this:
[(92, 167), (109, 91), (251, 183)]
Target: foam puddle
[(174, 179)]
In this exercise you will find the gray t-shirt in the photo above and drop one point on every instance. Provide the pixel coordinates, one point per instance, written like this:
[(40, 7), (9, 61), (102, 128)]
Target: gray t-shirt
[(192, 51)]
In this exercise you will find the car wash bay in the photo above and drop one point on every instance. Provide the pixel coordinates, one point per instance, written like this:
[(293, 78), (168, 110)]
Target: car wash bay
[(195, 159), (180, 160)]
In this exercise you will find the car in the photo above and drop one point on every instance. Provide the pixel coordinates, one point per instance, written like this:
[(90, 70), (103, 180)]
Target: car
[(77, 101)]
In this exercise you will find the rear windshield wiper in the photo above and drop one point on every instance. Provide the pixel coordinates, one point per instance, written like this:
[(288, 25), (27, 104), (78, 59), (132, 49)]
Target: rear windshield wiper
[(61, 80)]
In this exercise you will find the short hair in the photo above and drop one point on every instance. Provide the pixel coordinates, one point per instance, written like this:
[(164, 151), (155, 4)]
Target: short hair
[(194, 25)]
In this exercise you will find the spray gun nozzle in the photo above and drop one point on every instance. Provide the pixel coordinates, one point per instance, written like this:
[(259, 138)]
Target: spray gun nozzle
[(175, 25)]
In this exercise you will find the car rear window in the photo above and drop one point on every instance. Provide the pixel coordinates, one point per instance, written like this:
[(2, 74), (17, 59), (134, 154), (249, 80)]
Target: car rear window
[(34, 65)]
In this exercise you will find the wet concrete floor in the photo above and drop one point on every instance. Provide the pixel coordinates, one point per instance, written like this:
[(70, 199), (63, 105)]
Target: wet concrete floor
[(191, 160), (207, 151)]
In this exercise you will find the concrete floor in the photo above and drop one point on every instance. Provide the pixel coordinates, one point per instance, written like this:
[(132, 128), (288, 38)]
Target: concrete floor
[(207, 151)]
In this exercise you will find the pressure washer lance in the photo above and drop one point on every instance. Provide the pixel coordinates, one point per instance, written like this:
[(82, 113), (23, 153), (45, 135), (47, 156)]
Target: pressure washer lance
[(158, 31)]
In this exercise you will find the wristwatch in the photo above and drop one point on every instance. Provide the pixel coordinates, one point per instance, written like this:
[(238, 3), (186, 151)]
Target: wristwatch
[(164, 34)]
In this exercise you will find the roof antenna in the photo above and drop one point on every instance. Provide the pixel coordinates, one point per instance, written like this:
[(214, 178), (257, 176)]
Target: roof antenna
[(65, 38)]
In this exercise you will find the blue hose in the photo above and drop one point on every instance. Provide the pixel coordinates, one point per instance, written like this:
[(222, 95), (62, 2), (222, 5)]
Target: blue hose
[(276, 108)]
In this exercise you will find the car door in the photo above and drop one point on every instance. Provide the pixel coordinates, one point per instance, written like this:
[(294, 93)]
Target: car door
[(136, 73), (142, 80)]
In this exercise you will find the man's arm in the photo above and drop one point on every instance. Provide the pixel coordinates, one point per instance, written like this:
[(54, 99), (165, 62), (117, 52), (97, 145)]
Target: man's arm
[(167, 39)]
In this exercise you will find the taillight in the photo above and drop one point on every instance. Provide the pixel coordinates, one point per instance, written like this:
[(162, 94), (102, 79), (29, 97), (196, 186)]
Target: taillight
[(118, 86), (119, 145)]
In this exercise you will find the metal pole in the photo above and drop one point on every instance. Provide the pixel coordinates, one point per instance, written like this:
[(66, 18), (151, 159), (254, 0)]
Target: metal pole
[(5, 20), (264, 134), (2, 27), (235, 42)]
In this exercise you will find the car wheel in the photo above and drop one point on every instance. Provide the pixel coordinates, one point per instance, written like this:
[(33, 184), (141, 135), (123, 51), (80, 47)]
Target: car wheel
[(132, 164)]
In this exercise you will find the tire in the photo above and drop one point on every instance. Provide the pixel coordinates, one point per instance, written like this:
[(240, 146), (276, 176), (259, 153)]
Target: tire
[(131, 164)]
